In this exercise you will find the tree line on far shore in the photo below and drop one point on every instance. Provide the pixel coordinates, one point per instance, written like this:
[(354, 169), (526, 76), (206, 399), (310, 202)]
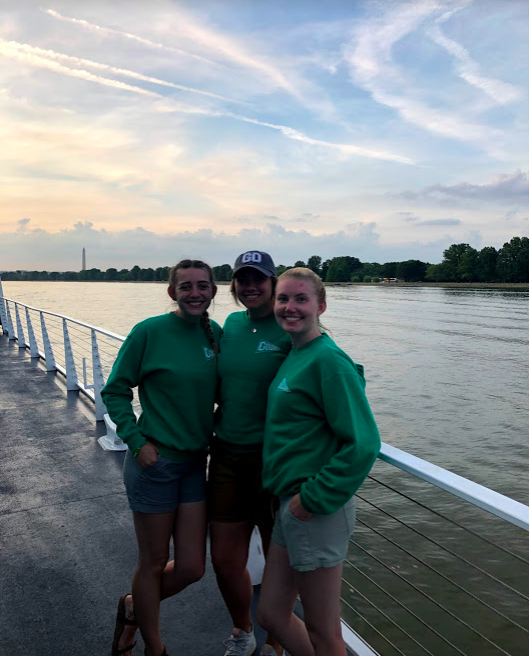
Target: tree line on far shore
[(461, 263)]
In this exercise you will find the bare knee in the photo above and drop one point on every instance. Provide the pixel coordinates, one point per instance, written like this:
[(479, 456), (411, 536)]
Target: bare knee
[(193, 572), (229, 563), (268, 617), (153, 562), (324, 637)]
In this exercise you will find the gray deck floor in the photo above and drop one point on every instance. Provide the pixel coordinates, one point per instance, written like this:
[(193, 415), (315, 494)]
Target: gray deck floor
[(67, 546)]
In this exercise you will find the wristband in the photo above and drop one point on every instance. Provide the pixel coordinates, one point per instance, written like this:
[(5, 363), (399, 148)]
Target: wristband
[(134, 453)]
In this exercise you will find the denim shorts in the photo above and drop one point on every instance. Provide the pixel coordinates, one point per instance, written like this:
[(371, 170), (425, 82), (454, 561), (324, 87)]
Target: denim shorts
[(165, 485), (322, 541)]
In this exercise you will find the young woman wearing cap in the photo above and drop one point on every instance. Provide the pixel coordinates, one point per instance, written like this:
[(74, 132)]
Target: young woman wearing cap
[(252, 348), (171, 359), (320, 443)]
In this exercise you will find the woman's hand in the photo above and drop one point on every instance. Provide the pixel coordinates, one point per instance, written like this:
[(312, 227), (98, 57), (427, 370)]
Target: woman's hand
[(297, 509), (148, 455)]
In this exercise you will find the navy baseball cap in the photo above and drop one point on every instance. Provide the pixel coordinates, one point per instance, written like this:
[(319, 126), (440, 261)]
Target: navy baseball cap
[(256, 260)]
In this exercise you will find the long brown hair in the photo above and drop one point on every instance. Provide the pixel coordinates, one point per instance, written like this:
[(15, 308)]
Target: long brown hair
[(204, 319)]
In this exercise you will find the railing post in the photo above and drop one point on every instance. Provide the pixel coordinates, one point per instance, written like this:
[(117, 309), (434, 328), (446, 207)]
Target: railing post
[(33, 346), (48, 351), (3, 317), (20, 331), (71, 374), (10, 329), (256, 561), (111, 441), (99, 381)]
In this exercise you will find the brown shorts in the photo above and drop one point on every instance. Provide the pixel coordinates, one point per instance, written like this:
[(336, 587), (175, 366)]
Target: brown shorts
[(235, 491)]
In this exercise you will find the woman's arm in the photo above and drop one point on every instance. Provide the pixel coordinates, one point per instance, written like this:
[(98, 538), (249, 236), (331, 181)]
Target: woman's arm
[(117, 393), (350, 418)]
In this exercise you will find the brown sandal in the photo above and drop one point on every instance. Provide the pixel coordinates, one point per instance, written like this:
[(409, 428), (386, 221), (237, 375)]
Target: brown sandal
[(164, 652), (121, 622)]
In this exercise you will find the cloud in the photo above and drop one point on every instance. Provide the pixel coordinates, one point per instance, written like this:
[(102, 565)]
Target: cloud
[(407, 216), (501, 92), (43, 250), (439, 222), (11, 49), (373, 68), (6, 47), (22, 225), (107, 31), (27, 55), (198, 34), (510, 187)]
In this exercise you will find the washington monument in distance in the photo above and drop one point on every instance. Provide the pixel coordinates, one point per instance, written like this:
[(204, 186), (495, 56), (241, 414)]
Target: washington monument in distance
[(83, 267)]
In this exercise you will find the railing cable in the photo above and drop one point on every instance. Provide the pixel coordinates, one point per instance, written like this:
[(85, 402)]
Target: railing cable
[(373, 627), (452, 521), (404, 607), (417, 589), (461, 558)]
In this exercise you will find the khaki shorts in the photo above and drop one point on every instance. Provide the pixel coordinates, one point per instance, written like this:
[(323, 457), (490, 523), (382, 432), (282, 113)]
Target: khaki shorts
[(322, 541), (235, 491)]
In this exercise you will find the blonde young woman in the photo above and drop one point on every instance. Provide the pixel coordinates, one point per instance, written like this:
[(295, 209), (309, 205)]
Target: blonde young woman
[(320, 443), (253, 346), (171, 360)]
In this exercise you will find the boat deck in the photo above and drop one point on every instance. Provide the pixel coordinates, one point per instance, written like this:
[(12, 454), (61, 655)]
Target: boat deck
[(67, 544)]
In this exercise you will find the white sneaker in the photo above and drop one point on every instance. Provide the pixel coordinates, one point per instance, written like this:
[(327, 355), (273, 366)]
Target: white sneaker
[(240, 643), (268, 650)]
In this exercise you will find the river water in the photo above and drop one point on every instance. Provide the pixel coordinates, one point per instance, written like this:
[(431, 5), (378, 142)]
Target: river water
[(447, 377), (447, 369)]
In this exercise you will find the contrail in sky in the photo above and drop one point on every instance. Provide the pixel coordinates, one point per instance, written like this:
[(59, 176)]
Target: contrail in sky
[(51, 54), (133, 37), (19, 52), (198, 34)]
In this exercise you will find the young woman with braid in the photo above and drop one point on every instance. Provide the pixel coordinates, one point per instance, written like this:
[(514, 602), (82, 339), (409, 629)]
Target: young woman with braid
[(171, 359), (253, 347)]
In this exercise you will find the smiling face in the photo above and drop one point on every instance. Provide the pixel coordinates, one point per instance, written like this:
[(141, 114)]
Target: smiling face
[(255, 291), (297, 309), (193, 291)]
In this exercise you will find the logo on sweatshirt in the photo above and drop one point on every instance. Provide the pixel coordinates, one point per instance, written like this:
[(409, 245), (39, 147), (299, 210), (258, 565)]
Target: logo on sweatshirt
[(283, 387), (209, 353), (266, 347)]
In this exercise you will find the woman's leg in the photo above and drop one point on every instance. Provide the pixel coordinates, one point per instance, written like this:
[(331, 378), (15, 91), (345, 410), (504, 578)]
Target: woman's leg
[(189, 538), (153, 532), (320, 595), (229, 554), (276, 603)]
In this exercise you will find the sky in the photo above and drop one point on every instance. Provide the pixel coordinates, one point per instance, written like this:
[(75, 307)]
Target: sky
[(150, 131)]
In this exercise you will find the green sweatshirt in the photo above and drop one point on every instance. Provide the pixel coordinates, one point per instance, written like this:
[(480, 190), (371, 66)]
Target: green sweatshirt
[(320, 437), (248, 361), (172, 363)]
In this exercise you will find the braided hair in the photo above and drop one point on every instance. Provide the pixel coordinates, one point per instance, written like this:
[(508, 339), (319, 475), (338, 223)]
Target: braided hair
[(204, 319)]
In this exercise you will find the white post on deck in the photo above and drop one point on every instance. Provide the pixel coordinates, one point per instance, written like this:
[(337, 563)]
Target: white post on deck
[(3, 316), (33, 346), (20, 331), (10, 329), (99, 381), (48, 351), (111, 441), (71, 374)]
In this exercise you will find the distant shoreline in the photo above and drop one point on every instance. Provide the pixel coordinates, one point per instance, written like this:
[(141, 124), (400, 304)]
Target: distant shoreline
[(512, 286)]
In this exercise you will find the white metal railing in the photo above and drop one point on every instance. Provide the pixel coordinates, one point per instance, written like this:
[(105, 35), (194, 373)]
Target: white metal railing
[(82, 353), (66, 344)]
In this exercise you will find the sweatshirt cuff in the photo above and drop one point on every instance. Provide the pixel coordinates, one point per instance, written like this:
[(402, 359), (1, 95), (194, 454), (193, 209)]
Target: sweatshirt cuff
[(135, 442)]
